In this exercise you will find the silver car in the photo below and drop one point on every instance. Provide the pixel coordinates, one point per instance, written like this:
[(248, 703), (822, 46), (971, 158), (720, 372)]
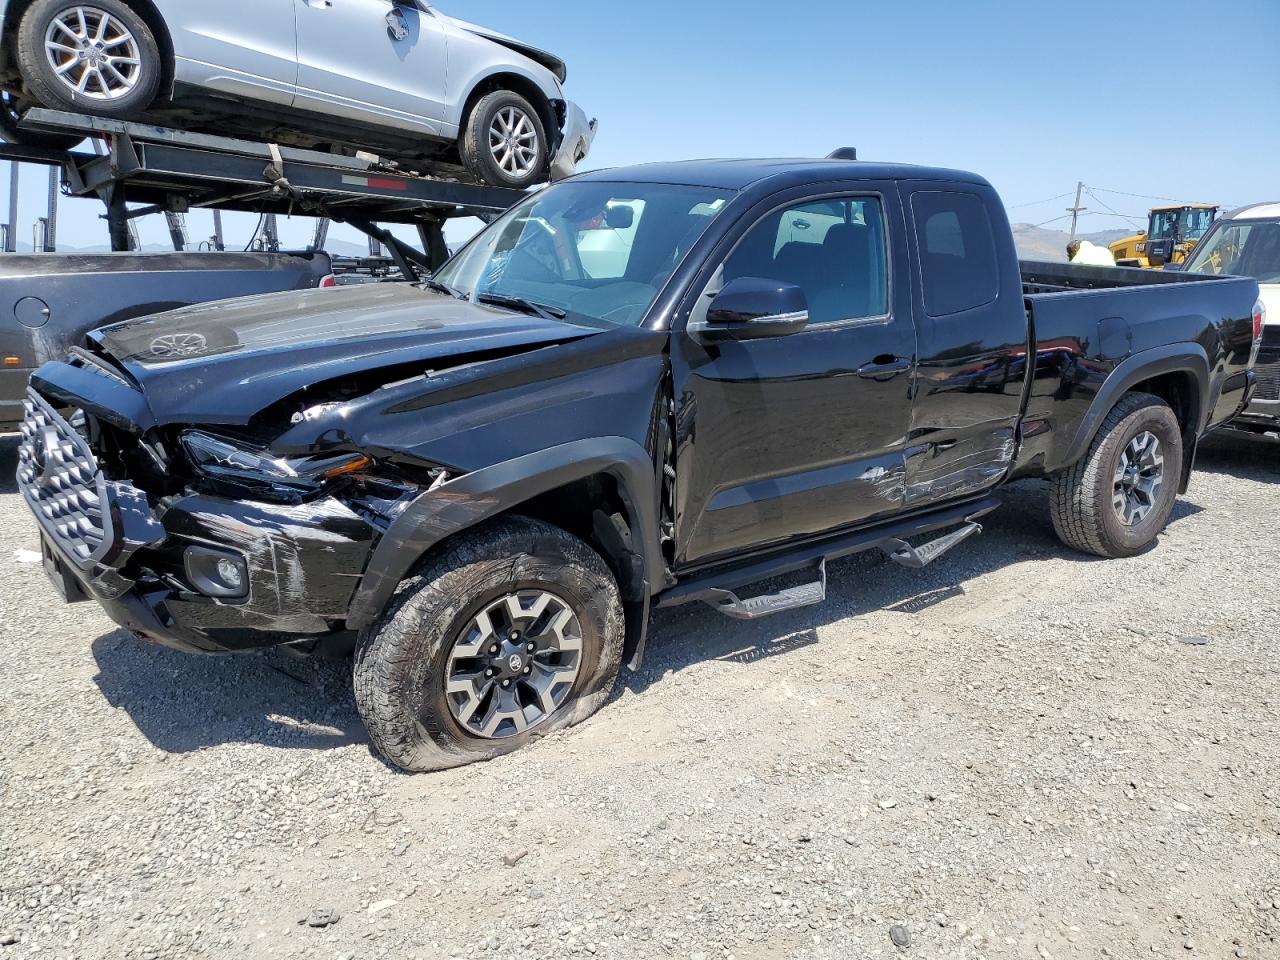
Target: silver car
[(396, 77)]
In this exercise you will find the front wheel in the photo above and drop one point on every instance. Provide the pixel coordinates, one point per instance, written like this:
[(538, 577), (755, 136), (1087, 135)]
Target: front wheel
[(504, 142), (513, 633), (1117, 499), (98, 57)]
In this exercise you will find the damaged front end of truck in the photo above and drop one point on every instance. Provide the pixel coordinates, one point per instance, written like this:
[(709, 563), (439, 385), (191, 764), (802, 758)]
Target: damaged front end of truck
[(219, 484)]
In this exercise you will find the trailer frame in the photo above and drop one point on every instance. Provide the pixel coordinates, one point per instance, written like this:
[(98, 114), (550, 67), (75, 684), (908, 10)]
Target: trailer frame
[(172, 172)]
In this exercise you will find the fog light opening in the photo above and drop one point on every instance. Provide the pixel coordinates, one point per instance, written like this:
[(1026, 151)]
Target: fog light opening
[(216, 573)]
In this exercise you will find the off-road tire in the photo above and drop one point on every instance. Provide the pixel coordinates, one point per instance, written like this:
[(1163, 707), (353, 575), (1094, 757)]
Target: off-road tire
[(400, 663), (1081, 496), (473, 145), (47, 89)]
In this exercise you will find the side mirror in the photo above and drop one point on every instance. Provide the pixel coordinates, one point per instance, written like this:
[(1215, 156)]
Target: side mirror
[(620, 217), (751, 308)]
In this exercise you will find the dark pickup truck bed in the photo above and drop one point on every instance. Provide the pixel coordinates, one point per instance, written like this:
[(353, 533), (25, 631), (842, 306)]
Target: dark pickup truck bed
[(482, 485), (49, 301)]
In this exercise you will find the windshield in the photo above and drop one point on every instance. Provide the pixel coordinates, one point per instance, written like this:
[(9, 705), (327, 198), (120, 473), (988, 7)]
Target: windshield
[(1186, 223), (596, 250), (1245, 248)]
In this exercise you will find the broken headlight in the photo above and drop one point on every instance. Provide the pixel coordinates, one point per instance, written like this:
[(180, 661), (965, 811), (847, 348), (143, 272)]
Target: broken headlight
[(220, 458)]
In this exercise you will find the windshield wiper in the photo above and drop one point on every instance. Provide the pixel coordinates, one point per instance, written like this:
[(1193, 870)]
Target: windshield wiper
[(524, 306), (432, 284)]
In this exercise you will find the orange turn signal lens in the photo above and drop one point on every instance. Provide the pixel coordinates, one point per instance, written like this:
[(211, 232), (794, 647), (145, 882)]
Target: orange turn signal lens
[(13, 361), (351, 467)]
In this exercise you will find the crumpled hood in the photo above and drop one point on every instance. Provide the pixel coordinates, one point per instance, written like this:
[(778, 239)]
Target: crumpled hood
[(223, 362), (537, 55)]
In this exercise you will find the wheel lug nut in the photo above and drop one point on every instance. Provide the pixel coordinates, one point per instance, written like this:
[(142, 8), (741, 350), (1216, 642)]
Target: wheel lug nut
[(494, 650), (515, 635), (531, 647), (489, 672), (528, 670), (506, 683)]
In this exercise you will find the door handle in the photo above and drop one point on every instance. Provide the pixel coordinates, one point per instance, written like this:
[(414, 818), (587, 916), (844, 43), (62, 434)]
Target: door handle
[(319, 4), (884, 368)]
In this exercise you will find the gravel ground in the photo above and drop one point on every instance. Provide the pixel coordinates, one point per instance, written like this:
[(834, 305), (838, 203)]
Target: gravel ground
[(1019, 752)]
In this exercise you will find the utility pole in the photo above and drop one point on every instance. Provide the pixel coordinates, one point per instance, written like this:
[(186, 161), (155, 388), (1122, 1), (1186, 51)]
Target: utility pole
[(219, 243), (1076, 210)]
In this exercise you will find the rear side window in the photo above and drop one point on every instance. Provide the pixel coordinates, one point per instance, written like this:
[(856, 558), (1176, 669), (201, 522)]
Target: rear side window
[(957, 251)]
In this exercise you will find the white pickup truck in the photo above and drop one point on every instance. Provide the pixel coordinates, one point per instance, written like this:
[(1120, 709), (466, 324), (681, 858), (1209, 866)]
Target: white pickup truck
[(1246, 242)]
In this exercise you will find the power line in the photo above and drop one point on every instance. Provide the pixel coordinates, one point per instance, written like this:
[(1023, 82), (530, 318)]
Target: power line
[(1141, 196), (1114, 211), (1036, 203)]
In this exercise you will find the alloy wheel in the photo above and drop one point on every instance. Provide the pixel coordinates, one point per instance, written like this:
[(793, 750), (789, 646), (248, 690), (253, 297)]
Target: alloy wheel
[(514, 664), (93, 53), (513, 141), (1138, 478)]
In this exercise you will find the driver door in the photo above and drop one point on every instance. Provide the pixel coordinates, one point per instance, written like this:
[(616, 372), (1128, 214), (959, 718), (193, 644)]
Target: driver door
[(794, 436), (373, 61)]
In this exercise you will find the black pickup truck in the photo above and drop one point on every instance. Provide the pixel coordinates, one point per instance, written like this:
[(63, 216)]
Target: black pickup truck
[(49, 301), (638, 388)]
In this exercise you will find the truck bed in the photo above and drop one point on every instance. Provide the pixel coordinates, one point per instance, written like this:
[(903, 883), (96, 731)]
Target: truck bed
[(1087, 321), (1042, 276)]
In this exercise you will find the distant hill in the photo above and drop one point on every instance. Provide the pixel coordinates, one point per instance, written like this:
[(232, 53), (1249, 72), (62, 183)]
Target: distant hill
[(1037, 243)]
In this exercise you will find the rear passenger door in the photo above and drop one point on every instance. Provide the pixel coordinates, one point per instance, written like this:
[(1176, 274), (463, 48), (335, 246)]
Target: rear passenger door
[(797, 435), (973, 341)]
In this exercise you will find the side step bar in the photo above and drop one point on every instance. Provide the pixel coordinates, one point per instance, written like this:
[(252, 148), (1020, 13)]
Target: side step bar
[(767, 604), (718, 586), (917, 558)]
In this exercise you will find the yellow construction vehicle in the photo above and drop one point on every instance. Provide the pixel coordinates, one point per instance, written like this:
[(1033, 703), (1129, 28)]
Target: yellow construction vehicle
[(1170, 235)]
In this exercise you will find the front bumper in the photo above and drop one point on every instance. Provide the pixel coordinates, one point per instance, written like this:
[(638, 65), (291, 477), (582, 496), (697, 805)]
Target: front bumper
[(578, 135), (104, 540)]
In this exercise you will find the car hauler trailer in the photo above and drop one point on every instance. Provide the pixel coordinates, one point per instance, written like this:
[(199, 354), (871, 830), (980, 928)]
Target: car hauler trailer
[(53, 301), (172, 171)]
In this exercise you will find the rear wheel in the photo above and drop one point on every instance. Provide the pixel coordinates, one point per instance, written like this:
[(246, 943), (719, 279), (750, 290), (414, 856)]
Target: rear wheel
[(514, 633), (1118, 498), (504, 142), (98, 57)]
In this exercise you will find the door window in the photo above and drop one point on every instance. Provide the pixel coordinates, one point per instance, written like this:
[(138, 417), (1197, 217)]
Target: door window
[(957, 251), (834, 250)]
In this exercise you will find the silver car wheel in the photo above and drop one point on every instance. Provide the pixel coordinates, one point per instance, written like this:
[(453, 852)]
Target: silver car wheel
[(513, 141), (514, 664), (1138, 478), (93, 53)]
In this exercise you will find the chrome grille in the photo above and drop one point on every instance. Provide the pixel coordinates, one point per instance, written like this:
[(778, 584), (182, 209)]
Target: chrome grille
[(59, 477), (1267, 367)]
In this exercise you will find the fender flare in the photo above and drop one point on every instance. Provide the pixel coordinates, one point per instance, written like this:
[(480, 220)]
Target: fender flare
[(1171, 358), (475, 497), (549, 94)]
